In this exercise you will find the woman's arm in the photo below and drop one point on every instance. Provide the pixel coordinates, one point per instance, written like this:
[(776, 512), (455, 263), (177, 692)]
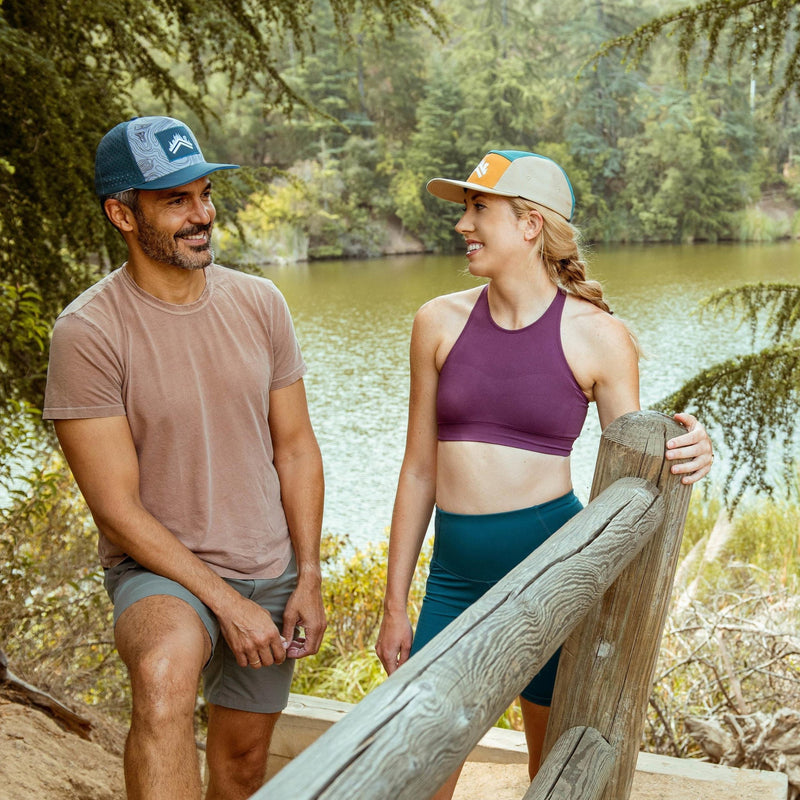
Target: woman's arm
[(616, 392), (416, 492)]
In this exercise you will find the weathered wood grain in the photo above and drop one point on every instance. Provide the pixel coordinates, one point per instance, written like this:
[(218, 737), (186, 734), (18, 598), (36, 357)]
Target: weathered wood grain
[(616, 646), (406, 736), (577, 768)]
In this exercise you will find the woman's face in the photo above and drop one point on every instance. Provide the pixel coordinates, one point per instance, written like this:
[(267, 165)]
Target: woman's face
[(496, 238)]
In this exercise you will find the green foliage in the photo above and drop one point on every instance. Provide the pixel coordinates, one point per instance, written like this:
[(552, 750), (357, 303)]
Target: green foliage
[(55, 623), (753, 225), (682, 179), (752, 398), (23, 340), (70, 71), (346, 667), (318, 209), (749, 31)]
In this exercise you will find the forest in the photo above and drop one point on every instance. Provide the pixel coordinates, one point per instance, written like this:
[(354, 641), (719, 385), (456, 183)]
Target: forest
[(339, 112), (654, 155)]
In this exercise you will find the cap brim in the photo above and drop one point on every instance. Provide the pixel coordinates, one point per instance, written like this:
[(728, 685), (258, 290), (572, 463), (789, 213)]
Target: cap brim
[(454, 191), (183, 176)]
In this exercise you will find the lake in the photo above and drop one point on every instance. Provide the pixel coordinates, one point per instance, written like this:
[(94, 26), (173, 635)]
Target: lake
[(353, 319)]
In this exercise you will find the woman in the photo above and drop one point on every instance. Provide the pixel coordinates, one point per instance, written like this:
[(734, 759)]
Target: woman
[(501, 378)]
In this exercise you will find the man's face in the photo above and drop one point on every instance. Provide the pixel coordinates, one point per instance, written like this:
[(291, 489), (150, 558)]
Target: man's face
[(173, 226)]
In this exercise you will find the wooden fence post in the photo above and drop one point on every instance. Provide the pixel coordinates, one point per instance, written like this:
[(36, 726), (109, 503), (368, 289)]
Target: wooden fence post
[(607, 663)]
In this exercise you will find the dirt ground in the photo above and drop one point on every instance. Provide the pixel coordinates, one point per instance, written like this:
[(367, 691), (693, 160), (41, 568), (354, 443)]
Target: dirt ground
[(40, 761), (510, 782)]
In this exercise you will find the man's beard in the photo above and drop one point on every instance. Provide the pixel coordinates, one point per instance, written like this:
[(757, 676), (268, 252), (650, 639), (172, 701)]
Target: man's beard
[(163, 247)]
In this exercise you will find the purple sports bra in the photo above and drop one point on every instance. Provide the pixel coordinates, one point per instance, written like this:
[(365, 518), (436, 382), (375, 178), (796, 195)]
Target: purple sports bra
[(511, 387)]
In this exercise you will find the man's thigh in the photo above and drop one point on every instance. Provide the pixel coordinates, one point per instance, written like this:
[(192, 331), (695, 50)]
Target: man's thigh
[(157, 616), (161, 631)]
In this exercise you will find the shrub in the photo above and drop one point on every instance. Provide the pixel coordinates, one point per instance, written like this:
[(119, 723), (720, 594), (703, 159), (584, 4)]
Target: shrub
[(347, 668)]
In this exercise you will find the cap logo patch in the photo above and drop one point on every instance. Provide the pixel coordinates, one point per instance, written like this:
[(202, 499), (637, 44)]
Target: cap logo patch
[(490, 170), (176, 143)]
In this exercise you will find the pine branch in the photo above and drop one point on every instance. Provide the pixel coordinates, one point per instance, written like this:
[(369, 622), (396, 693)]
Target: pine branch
[(776, 306), (753, 401), (755, 28)]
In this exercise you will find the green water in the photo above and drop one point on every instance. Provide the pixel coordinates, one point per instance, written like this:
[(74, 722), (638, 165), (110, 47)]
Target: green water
[(353, 320)]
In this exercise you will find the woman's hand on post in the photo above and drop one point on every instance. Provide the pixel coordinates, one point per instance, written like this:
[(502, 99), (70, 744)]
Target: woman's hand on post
[(692, 448)]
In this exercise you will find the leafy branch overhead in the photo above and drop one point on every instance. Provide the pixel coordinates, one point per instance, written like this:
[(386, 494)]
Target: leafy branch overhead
[(761, 31), (70, 71), (752, 399)]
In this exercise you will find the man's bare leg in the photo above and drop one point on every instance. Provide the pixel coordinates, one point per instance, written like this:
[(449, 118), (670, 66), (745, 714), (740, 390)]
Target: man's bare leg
[(236, 751), (164, 646)]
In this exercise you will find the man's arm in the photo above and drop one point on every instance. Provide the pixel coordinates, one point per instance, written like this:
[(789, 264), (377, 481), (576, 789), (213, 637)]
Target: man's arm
[(103, 459), (299, 465)]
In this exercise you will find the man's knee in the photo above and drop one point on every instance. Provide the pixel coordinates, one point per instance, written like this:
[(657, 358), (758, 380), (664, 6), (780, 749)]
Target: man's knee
[(164, 646)]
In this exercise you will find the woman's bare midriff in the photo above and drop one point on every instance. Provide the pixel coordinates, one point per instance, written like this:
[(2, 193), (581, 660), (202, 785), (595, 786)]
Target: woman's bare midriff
[(480, 478)]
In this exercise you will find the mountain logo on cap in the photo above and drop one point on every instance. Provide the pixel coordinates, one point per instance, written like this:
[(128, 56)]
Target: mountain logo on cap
[(482, 169), (177, 143)]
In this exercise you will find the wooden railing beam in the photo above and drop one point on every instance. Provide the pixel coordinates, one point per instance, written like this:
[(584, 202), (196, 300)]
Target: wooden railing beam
[(606, 668)]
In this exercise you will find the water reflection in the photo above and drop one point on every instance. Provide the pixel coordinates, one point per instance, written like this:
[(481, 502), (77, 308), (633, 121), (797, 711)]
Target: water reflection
[(354, 319)]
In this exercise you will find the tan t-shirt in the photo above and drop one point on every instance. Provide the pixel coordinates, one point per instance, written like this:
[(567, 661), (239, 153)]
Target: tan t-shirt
[(194, 382)]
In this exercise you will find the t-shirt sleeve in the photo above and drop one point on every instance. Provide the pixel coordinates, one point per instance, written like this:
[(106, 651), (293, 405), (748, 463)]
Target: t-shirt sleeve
[(288, 363), (84, 377)]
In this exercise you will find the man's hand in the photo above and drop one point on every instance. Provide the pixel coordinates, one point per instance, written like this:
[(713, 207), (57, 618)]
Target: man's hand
[(250, 633), (304, 612)]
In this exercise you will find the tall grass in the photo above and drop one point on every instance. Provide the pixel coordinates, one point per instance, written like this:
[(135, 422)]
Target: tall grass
[(727, 682), (753, 225)]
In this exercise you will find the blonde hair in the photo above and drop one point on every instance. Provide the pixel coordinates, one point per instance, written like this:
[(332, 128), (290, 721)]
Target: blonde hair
[(559, 248), (560, 251)]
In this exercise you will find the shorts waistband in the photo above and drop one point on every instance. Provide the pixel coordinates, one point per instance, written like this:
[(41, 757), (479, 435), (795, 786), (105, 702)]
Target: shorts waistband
[(549, 505)]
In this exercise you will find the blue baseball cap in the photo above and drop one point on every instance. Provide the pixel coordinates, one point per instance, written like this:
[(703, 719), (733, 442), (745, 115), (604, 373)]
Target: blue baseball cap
[(149, 153)]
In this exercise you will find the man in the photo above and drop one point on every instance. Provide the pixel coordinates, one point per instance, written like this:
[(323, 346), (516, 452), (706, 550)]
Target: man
[(177, 393)]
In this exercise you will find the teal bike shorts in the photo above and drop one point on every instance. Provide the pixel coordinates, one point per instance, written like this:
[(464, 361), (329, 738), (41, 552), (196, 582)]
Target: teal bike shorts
[(471, 553)]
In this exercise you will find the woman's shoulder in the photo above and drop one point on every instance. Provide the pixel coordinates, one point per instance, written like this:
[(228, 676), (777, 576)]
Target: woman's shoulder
[(587, 319), (598, 345), (447, 308), (439, 322)]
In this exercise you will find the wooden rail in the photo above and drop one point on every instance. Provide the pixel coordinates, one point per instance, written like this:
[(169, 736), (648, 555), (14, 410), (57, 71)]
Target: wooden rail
[(409, 734)]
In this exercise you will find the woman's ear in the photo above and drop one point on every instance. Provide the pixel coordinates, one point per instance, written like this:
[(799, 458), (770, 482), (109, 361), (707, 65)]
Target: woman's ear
[(533, 225)]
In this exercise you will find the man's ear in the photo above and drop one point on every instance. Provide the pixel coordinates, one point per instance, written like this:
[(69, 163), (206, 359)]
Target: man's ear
[(120, 215), (533, 225)]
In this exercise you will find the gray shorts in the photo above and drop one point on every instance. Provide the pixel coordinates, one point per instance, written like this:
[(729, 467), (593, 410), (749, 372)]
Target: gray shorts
[(225, 683)]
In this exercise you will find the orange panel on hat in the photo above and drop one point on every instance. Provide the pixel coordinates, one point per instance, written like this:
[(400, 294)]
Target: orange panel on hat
[(489, 171)]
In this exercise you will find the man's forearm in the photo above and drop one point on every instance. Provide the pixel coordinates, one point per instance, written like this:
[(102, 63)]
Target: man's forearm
[(302, 495)]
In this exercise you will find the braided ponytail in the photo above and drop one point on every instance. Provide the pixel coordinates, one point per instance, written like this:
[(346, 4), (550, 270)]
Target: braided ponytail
[(559, 248), (560, 253)]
